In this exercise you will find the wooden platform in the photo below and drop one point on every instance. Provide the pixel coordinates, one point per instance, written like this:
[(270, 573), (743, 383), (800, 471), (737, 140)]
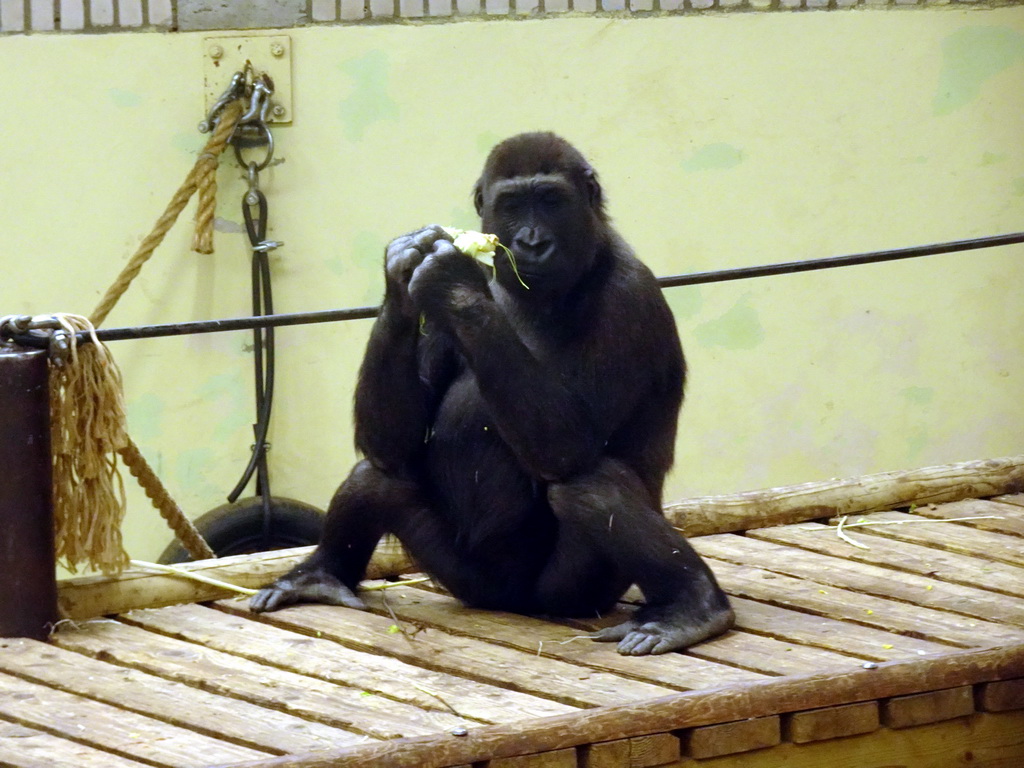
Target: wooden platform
[(908, 651)]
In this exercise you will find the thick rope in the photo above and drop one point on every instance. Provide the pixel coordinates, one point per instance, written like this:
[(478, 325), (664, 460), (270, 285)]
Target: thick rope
[(89, 497), (87, 428), (183, 528), (206, 186), (214, 147)]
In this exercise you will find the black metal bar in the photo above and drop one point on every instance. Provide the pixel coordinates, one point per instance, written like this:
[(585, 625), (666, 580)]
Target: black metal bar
[(28, 599), (362, 313), (874, 257)]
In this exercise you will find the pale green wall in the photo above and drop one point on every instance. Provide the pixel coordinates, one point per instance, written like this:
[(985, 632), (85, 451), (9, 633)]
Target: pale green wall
[(721, 140)]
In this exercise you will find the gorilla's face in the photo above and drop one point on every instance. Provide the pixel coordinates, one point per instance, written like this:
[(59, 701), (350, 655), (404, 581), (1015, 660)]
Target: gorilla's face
[(544, 203)]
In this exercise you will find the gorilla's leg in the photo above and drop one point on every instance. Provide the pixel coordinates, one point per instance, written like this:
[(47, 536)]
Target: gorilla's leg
[(609, 512), (356, 519), (370, 503)]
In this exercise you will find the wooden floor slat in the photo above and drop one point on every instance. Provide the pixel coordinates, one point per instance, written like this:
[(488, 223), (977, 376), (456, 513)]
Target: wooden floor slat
[(835, 602), (22, 747), (986, 545), (561, 642), (993, 515), (741, 652), (863, 577), (231, 676), (465, 656), (823, 632), (244, 723), (999, 578), (335, 663), (116, 730)]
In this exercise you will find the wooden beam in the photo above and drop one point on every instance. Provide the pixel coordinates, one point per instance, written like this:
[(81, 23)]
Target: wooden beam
[(851, 496), (87, 597), (685, 710)]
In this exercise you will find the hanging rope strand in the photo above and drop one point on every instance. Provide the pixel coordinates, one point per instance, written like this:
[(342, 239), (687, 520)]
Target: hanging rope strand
[(204, 169), (87, 406)]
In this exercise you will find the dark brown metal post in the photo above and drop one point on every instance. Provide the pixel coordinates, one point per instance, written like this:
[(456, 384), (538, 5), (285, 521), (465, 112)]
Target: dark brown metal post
[(28, 579)]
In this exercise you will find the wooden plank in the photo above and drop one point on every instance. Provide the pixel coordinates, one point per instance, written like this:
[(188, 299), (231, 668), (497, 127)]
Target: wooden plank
[(559, 758), (851, 496), (464, 656), (948, 536), (733, 738), (832, 722), (1011, 516), (22, 747), (834, 602), (605, 754), (656, 749), (796, 627), (1001, 696), (913, 558), (86, 597), (930, 707), (981, 741), (864, 577), (116, 730), (740, 651), (1016, 499), (227, 675), (240, 722), (683, 710), (327, 660)]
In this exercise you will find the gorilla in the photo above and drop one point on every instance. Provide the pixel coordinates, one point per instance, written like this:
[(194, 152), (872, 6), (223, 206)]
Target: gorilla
[(517, 423)]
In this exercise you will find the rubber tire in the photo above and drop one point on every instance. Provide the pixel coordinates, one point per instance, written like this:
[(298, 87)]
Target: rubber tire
[(237, 529)]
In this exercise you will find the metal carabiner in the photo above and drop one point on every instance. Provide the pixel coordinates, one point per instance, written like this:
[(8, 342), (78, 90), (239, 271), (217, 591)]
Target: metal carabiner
[(235, 90)]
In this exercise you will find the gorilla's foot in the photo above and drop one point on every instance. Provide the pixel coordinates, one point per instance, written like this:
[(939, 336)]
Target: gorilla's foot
[(315, 586), (640, 637)]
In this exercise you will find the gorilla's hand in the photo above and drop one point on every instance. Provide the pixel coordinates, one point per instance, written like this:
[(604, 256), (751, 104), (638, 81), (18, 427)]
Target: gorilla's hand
[(403, 255), (447, 282)]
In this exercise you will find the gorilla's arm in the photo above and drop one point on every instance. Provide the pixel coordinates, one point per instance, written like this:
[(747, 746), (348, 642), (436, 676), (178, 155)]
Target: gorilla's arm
[(404, 369), (556, 417)]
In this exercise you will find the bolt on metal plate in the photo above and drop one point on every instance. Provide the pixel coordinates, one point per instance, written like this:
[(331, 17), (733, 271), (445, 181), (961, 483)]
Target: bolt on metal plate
[(272, 54)]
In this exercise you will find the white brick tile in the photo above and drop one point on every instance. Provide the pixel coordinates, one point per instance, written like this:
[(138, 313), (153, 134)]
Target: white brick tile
[(129, 13), (101, 13), (160, 13), (72, 14), (322, 10), (352, 10), (12, 15)]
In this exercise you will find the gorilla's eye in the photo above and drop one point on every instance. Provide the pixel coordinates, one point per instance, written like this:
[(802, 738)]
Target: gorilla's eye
[(550, 199)]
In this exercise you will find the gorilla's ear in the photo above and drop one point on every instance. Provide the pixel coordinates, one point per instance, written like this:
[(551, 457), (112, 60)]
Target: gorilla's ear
[(478, 197), (593, 188)]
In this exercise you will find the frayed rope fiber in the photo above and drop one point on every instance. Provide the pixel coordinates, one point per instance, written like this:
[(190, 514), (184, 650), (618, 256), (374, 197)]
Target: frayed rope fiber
[(87, 430)]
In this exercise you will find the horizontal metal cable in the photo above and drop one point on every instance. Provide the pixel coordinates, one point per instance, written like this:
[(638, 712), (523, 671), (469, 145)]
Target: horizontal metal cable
[(361, 313)]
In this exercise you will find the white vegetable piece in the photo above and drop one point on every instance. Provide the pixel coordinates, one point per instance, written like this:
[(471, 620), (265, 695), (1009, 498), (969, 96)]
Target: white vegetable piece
[(475, 244)]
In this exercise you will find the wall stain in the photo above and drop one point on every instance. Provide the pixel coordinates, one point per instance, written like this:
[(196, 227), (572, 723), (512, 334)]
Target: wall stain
[(124, 99), (713, 157), (970, 57), (739, 328), (1017, 186), (369, 102), (918, 395)]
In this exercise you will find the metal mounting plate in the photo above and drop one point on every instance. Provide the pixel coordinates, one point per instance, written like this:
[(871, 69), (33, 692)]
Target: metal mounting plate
[(272, 54)]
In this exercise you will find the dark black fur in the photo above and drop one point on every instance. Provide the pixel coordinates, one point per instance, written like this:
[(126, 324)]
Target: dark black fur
[(516, 439)]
